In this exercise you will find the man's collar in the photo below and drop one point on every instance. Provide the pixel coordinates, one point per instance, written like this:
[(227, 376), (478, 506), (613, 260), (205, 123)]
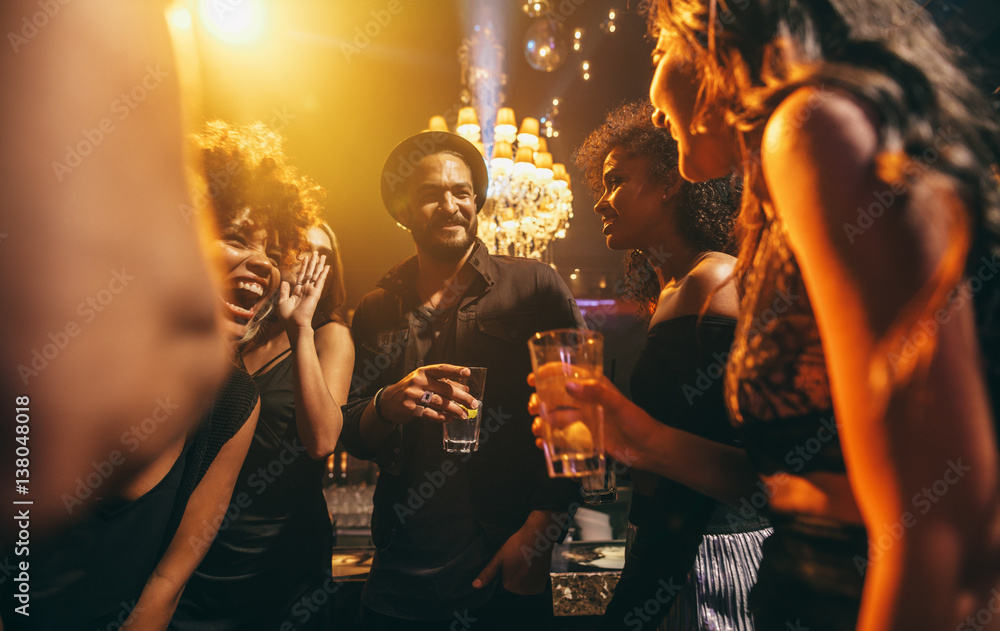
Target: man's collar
[(403, 277)]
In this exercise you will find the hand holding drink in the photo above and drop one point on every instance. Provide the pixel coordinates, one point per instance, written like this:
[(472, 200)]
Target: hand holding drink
[(573, 431), (462, 435)]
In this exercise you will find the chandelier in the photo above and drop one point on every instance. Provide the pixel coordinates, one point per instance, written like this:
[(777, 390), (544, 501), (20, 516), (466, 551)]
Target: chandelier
[(529, 202)]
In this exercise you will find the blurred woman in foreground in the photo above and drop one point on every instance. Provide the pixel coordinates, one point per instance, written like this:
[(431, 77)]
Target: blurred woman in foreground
[(128, 560)]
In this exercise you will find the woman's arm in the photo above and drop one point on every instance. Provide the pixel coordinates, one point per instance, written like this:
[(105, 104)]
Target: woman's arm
[(204, 513), (637, 440), (324, 361), (921, 455)]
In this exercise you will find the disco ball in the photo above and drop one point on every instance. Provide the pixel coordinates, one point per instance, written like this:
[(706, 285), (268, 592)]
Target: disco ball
[(545, 45)]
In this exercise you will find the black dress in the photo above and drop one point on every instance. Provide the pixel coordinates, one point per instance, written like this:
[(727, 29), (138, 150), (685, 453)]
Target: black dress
[(90, 575), (779, 396), (678, 379), (270, 563)]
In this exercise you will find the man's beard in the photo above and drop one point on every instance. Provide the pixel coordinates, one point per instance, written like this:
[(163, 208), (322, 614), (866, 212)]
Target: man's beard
[(447, 248)]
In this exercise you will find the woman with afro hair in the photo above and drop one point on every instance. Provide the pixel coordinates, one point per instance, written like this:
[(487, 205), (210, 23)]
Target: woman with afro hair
[(273, 549), (680, 272)]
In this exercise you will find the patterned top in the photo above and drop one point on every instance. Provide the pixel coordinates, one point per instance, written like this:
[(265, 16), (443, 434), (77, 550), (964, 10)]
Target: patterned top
[(777, 390), (778, 395)]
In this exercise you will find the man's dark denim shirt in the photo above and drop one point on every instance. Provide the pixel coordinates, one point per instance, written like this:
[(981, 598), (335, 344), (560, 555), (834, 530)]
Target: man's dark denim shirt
[(508, 300)]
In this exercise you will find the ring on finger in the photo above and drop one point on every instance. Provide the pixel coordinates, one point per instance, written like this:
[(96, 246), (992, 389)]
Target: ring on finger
[(425, 398), (418, 411)]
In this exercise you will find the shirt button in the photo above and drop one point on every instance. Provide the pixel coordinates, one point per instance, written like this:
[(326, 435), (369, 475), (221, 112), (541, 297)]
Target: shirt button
[(396, 450), (475, 261)]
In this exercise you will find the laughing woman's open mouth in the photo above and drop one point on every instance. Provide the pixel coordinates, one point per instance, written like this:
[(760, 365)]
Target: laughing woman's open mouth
[(244, 297)]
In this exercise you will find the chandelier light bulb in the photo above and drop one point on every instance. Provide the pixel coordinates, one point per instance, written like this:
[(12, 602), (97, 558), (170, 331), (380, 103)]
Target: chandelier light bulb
[(503, 155), (468, 124), (525, 163), (506, 126), (528, 136), (543, 165)]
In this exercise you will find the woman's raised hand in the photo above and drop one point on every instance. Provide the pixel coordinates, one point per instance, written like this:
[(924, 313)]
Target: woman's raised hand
[(297, 303)]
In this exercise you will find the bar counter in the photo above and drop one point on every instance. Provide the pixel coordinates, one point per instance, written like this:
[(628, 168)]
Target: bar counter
[(584, 575)]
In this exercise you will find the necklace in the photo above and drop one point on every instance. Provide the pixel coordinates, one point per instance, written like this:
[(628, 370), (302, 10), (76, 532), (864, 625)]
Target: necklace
[(427, 298), (453, 290)]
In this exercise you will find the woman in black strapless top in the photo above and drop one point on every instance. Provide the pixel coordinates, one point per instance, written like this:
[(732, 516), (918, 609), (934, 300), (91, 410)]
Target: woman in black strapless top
[(868, 232), (679, 273)]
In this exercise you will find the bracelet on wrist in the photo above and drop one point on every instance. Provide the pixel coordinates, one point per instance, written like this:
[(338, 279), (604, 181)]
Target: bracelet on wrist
[(378, 407)]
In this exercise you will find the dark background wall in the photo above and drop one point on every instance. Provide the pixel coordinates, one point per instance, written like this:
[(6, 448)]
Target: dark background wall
[(344, 98)]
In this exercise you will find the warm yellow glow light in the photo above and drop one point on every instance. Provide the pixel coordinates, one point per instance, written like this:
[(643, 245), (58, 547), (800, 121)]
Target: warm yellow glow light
[(179, 17), (234, 21)]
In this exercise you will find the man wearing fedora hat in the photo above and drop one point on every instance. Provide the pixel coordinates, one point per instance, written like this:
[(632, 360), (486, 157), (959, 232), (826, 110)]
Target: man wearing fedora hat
[(461, 539)]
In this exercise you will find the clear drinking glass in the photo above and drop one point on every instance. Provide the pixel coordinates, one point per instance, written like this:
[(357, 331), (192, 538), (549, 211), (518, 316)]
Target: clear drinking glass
[(573, 431), (462, 435)]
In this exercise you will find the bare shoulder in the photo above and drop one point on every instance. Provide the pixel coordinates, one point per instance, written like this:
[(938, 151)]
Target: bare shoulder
[(713, 271), (820, 128), (707, 288)]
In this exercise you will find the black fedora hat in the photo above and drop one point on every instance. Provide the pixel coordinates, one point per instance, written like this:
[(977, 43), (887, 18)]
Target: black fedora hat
[(404, 159)]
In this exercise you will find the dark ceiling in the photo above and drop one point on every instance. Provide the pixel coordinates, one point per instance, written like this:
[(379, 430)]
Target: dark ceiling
[(344, 98), (343, 107)]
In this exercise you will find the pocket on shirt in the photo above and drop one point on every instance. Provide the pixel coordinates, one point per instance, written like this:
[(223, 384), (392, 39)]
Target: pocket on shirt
[(383, 353), (510, 327)]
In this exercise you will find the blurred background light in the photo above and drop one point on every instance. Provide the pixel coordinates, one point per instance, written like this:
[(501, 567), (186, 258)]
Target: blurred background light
[(234, 21), (179, 17)]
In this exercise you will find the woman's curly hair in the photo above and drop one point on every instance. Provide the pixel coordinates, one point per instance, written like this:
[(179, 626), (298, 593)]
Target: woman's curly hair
[(706, 210), (244, 166)]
